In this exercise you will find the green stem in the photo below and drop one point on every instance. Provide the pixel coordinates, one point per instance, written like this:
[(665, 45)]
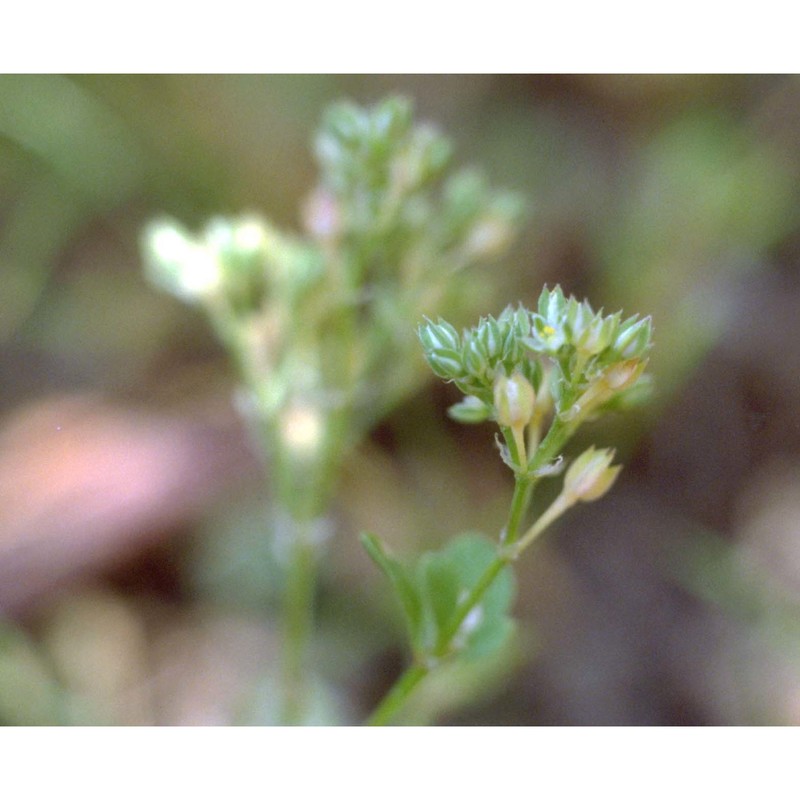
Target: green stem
[(520, 501), (296, 493), (298, 626), (398, 695), (524, 483), (548, 449), (553, 512)]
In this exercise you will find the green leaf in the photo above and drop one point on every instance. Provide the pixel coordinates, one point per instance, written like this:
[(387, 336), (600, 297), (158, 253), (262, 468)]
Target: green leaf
[(442, 588), (431, 593), (403, 583), (446, 579), (489, 639)]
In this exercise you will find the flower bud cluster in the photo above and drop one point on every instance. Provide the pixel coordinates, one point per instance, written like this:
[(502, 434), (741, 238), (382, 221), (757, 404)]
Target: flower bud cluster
[(385, 186), (517, 369), (591, 356), (476, 358), (477, 219), (595, 356), (178, 262)]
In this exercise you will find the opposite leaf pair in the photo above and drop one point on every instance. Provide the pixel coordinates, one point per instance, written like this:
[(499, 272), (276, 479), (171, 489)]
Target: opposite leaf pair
[(434, 595)]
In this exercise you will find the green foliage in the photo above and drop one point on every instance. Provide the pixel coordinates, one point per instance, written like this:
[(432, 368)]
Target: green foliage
[(433, 591), (448, 576), (405, 586)]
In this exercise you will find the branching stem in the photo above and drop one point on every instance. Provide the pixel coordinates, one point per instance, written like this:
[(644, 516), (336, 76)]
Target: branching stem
[(509, 548)]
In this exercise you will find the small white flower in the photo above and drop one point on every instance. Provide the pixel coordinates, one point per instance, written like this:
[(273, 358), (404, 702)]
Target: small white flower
[(179, 263)]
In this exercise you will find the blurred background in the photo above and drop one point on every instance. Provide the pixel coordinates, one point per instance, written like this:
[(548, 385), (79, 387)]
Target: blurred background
[(138, 585)]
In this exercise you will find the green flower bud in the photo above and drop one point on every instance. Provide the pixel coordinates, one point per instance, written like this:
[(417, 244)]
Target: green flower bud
[(519, 319), (391, 119), (445, 363), (514, 401), (579, 316), (590, 476), (420, 161), (439, 336), (633, 338), (552, 306), (435, 152), (474, 357), (593, 334), (490, 338), (346, 122), (514, 326)]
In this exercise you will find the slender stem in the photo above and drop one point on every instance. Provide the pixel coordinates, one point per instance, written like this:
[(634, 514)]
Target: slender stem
[(298, 500), (398, 694), (520, 501), (547, 450), (553, 512), (408, 681), (298, 627), (524, 483)]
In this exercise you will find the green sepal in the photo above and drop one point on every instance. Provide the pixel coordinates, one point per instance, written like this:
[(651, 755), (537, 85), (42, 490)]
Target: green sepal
[(470, 410)]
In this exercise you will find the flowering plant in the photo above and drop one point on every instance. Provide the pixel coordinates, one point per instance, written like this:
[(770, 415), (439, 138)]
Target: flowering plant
[(538, 375)]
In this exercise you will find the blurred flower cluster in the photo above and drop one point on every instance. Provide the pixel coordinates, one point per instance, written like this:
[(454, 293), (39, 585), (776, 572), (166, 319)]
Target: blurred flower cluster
[(321, 325)]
